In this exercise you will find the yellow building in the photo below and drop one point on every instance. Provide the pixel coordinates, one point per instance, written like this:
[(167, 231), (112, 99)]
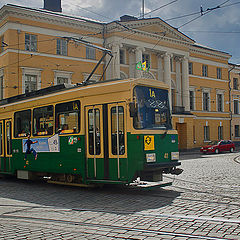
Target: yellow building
[(36, 54), (234, 74)]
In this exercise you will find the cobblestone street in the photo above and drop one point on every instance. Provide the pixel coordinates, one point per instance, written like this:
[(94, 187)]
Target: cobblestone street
[(202, 203)]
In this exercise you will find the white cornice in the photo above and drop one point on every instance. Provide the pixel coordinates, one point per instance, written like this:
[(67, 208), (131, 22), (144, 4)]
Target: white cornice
[(207, 62), (44, 31), (51, 55), (208, 78), (209, 52), (50, 18)]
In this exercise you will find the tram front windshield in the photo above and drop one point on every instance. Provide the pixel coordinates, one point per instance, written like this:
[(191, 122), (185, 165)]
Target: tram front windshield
[(152, 108)]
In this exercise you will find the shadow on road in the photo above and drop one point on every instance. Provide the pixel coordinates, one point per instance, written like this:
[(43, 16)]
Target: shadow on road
[(108, 198)]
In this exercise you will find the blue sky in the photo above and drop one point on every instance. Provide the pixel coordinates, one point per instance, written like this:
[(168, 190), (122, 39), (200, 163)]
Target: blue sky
[(218, 27)]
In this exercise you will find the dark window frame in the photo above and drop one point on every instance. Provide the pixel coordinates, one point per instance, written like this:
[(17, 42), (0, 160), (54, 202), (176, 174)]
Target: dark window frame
[(121, 134), (190, 68), (206, 133), (19, 135), (45, 133), (30, 42), (57, 124), (205, 70)]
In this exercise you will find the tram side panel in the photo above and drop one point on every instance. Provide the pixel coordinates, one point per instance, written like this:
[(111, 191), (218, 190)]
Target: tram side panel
[(69, 158), (151, 155)]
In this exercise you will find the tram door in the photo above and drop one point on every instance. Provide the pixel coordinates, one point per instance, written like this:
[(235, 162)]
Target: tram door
[(105, 141), (5, 145)]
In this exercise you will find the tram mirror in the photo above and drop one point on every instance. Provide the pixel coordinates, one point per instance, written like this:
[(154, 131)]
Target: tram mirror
[(132, 109)]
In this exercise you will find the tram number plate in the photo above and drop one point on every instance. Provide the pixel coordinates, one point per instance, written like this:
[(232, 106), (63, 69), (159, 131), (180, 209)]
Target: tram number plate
[(151, 157)]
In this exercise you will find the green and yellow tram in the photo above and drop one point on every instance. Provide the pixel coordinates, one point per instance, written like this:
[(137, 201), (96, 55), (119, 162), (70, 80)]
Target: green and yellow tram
[(111, 132)]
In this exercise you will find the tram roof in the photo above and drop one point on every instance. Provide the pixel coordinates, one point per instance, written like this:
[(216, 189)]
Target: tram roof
[(66, 87)]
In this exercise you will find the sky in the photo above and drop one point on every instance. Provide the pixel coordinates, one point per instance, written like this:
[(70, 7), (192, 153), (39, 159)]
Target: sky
[(217, 26)]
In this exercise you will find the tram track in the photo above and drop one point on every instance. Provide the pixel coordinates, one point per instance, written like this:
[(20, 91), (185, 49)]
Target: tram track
[(108, 226), (121, 212)]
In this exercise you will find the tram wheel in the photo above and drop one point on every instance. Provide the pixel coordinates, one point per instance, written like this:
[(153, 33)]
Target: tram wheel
[(69, 178)]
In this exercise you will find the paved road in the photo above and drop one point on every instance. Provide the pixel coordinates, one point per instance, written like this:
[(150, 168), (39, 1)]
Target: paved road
[(203, 203)]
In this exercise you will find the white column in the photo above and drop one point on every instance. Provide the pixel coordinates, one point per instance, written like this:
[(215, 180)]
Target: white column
[(132, 64), (138, 52), (116, 61), (167, 75), (178, 83), (185, 84), (160, 68)]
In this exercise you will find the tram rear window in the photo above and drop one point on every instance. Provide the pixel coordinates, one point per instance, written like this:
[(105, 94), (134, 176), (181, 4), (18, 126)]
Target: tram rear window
[(67, 117), (22, 123), (43, 121)]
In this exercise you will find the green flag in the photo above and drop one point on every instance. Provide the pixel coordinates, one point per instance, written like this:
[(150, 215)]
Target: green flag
[(139, 65)]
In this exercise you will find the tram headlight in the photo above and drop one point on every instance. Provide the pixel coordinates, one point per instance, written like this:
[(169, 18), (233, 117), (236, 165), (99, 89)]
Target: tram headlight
[(174, 155), (151, 157)]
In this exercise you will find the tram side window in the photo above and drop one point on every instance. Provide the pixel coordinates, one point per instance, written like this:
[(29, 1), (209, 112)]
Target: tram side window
[(43, 121), (9, 137), (94, 131), (117, 132), (1, 138), (68, 117), (22, 123)]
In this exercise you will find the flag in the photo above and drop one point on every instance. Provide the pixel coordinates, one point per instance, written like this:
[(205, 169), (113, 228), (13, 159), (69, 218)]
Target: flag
[(139, 66), (144, 66)]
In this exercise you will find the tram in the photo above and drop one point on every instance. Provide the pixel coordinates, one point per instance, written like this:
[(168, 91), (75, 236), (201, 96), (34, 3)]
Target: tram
[(110, 132)]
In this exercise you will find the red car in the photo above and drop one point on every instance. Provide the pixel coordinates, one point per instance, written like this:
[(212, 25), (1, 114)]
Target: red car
[(219, 146)]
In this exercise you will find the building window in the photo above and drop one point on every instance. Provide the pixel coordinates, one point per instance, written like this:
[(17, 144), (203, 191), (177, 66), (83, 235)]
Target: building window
[(1, 44), (30, 42), (191, 95), (62, 80), (171, 65), (1, 87), (190, 67), (237, 132), (90, 53), (204, 70), (220, 132), (220, 102), (235, 106), (219, 73), (61, 47), (61, 77), (235, 83), (206, 133), (122, 56), (146, 58), (205, 101), (30, 83)]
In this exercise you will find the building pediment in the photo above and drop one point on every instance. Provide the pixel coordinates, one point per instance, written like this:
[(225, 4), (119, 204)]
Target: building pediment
[(153, 26)]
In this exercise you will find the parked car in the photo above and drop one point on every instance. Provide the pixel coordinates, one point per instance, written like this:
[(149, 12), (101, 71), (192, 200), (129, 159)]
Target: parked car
[(219, 146)]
